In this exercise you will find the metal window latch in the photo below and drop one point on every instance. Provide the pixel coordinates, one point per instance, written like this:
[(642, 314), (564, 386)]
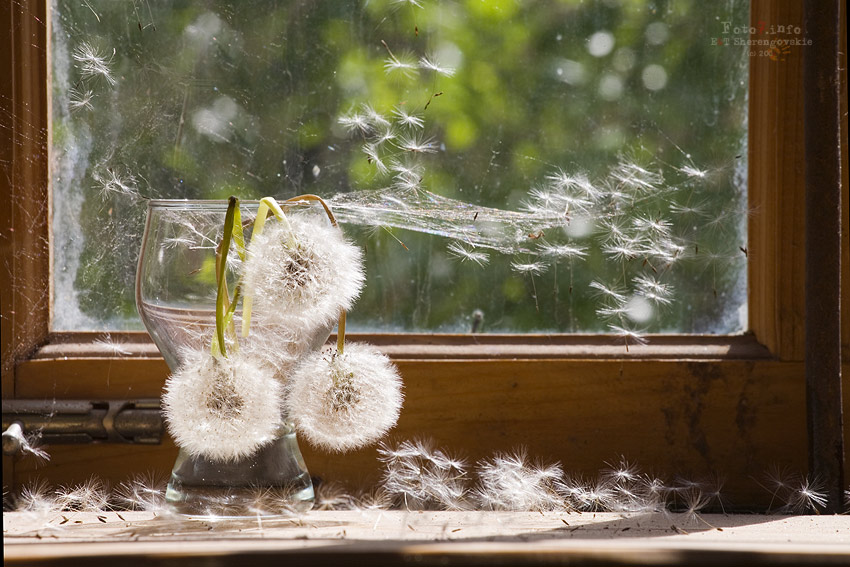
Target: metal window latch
[(81, 422)]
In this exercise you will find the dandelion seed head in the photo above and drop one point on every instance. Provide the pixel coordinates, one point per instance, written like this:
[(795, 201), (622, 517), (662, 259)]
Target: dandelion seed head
[(224, 409), (340, 402), (302, 272)]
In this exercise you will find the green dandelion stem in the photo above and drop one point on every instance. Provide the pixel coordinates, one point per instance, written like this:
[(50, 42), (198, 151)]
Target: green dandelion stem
[(222, 303)]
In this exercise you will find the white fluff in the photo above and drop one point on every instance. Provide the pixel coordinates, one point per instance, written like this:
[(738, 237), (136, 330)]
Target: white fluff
[(511, 482), (222, 408), (302, 273), (342, 402)]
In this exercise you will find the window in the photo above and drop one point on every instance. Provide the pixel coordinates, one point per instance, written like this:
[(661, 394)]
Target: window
[(680, 404), (611, 141)]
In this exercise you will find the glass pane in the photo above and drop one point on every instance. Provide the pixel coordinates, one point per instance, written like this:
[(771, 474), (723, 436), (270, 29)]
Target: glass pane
[(507, 166)]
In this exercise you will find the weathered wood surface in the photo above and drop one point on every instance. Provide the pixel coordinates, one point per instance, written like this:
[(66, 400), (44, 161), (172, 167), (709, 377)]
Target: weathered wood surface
[(383, 537)]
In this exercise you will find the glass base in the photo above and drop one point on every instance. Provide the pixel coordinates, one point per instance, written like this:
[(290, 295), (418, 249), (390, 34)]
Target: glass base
[(272, 482)]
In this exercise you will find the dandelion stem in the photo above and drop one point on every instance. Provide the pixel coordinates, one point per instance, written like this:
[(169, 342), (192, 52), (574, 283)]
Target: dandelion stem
[(221, 300), (340, 333)]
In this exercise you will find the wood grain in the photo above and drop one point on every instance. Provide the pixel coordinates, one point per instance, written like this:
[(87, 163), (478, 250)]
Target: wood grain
[(735, 418), (776, 185)]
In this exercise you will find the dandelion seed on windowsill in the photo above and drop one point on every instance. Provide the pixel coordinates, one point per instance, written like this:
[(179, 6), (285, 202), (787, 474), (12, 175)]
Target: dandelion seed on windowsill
[(510, 482)]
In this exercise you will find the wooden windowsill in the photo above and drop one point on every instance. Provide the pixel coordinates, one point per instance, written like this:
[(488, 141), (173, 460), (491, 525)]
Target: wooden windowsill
[(427, 538), (431, 346)]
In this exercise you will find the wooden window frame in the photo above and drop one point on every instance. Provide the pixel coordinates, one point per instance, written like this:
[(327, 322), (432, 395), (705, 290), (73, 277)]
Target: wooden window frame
[(683, 404)]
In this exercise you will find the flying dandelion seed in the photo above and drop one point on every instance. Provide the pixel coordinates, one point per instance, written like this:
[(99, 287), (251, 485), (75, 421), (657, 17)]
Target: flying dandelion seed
[(610, 292), (356, 122), (432, 64), (93, 64), (464, 254), (405, 64), (405, 119), (416, 144), (78, 100), (530, 268)]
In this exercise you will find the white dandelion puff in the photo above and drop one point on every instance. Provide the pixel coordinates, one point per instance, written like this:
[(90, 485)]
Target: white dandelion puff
[(303, 266), (340, 402), (222, 408), (374, 117), (27, 443), (37, 498), (464, 254), (407, 175), (112, 181), (694, 172)]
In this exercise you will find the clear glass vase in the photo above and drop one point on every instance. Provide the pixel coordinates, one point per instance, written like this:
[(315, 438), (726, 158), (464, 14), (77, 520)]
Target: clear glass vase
[(175, 297)]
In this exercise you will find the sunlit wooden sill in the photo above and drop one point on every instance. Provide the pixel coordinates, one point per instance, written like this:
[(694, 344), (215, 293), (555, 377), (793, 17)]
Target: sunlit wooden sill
[(427, 538)]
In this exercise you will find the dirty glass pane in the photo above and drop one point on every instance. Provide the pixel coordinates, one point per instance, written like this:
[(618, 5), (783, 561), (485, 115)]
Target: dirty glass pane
[(540, 166)]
